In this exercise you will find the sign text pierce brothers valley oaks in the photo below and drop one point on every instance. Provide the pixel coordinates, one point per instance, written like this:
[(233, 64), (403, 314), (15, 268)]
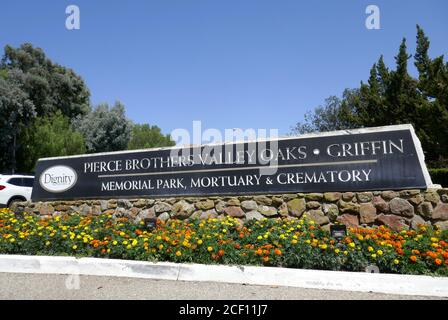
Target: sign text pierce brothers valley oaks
[(355, 160)]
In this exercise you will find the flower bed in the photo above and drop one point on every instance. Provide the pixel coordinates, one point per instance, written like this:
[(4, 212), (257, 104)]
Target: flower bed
[(292, 243)]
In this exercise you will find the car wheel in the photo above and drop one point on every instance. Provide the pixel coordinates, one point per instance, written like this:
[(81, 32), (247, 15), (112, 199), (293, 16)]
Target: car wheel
[(13, 201)]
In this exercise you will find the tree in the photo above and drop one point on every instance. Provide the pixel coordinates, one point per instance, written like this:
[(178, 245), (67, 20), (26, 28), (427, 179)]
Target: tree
[(145, 137), (105, 129), (49, 136), (394, 97), (16, 111), (33, 86), (333, 115), (50, 86)]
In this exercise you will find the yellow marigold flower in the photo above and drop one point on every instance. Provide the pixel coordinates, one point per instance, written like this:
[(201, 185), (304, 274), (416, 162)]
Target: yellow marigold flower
[(380, 252), (259, 237), (370, 249), (434, 239), (134, 242), (128, 246), (373, 255), (47, 243), (200, 241), (396, 261), (115, 242), (108, 250), (75, 247), (178, 253), (12, 240), (125, 242), (308, 241), (160, 246), (294, 241), (345, 252), (351, 244), (224, 230), (323, 246), (210, 249), (337, 251), (122, 233), (158, 238)]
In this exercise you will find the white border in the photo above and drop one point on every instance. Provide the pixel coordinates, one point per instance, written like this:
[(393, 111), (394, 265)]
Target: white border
[(421, 159), (55, 166), (313, 279), (417, 145)]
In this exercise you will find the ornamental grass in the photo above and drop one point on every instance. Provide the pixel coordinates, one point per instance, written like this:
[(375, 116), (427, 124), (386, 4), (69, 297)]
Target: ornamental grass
[(290, 243)]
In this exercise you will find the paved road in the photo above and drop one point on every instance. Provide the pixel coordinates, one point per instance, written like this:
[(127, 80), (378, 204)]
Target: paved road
[(46, 286)]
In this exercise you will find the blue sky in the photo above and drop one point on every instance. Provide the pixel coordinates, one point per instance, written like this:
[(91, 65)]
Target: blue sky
[(228, 63)]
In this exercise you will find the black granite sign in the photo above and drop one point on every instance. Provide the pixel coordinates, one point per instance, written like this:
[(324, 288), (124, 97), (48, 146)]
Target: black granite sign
[(355, 160)]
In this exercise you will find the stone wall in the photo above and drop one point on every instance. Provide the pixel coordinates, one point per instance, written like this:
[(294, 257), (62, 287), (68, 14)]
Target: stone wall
[(396, 209)]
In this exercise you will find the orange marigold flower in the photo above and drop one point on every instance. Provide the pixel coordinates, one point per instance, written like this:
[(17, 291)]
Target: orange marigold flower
[(277, 252), (413, 258), (221, 252), (438, 262), (265, 258)]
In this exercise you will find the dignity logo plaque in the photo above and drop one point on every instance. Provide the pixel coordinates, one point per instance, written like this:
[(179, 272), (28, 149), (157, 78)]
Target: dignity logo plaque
[(352, 160)]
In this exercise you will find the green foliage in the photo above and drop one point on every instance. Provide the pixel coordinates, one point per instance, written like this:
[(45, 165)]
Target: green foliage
[(48, 137), (333, 115), (3, 74), (394, 97), (50, 86), (16, 111), (105, 129), (439, 176), (144, 136), (31, 85)]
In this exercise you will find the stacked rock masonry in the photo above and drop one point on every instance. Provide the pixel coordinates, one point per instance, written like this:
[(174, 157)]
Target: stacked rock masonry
[(395, 209)]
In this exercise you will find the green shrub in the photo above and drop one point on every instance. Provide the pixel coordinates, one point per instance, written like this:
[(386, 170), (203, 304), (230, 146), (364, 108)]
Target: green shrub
[(439, 176)]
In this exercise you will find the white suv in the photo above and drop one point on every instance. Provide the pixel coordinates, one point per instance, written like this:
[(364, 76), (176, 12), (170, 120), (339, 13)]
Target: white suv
[(15, 188)]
